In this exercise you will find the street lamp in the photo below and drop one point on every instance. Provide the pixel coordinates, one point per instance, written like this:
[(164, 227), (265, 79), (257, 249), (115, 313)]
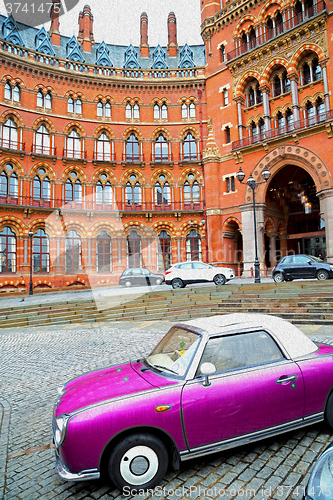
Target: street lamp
[(252, 184), (30, 233)]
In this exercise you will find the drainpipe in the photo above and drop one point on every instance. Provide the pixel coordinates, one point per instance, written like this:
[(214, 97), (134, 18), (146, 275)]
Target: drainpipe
[(203, 170)]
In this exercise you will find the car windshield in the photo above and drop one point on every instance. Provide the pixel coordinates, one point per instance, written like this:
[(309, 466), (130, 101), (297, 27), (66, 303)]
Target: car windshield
[(317, 259), (175, 352)]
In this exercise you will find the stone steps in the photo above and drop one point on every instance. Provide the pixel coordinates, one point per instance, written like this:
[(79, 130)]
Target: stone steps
[(310, 302)]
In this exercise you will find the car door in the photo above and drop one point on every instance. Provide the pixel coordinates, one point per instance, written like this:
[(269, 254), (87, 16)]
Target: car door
[(255, 387), (185, 272), (303, 267), (201, 272)]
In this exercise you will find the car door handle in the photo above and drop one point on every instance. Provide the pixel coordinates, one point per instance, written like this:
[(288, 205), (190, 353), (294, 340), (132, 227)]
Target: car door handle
[(285, 379)]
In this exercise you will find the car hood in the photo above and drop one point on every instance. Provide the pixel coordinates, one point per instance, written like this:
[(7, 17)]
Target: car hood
[(102, 385)]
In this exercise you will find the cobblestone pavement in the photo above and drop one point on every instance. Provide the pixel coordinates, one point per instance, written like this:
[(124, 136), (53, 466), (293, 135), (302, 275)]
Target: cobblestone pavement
[(33, 363)]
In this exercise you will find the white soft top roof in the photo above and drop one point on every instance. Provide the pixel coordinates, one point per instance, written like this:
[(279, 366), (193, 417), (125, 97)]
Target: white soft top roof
[(295, 342)]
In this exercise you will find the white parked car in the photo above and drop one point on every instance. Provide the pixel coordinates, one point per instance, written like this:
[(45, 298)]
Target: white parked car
[(184, 273)]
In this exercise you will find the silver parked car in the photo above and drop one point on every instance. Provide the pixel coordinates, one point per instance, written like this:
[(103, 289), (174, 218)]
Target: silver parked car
[(183, 273)]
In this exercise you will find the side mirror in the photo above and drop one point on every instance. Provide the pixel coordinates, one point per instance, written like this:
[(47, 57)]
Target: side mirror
[(309, 262), (207, 369)]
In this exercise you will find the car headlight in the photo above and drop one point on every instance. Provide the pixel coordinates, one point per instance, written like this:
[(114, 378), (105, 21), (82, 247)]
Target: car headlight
[(60, 429), (320, 484), (331, 268)]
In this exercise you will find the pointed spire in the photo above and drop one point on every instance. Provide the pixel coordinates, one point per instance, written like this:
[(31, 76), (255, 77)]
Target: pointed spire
[(211, 152)]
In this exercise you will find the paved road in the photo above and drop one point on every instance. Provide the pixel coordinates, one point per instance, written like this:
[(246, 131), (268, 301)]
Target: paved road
[(33, 363)]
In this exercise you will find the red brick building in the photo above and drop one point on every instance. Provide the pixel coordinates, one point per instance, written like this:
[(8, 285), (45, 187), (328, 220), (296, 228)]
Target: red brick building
[(115, 157)]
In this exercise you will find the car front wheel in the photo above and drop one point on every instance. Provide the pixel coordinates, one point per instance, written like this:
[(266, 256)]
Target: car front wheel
[(219, 279), (177, 283), (138, 462), (278, 277), (322, 275), (128, 283)]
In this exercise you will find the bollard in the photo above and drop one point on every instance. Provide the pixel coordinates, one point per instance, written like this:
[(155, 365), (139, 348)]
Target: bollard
[(265, 271), (238, 272), (251, 272)]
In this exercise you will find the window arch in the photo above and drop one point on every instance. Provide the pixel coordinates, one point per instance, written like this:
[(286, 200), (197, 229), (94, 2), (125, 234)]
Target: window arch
[(7, 251), (42, 141), (103, 192), (132, 148), (103, 110), (10, 134), (162, 192), (103, 147), (191, 192), (41, 188), (134, 250), (133, 193), (41, 252), (73, 253), (9, 185), (12, 93), (164, 254), (132, 111), (190, 148), (103, 253), (44, 101), (74, 143), (188, 110), (161, 149), (193, 246), (160, 111), (74, 106), (73, 189)]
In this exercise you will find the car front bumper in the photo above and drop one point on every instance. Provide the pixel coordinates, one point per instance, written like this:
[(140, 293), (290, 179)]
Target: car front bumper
[(67, 475)]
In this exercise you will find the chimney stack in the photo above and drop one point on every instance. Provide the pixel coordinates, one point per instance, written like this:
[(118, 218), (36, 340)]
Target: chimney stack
[(144, 47), (86, 34), (55, 23), (172, 35)]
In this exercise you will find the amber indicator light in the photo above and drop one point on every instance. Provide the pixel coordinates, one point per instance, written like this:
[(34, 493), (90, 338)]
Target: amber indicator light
[(162, 408)]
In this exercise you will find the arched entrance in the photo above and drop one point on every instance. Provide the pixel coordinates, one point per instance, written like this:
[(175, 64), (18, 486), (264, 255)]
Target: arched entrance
[(232, 242), (293, 169), (292, 206)]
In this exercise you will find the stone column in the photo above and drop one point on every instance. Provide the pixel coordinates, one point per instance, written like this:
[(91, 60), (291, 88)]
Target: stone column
[(294, 93), (248, 236), (326, 95), (326, 209), (239, 100), (267, 112)]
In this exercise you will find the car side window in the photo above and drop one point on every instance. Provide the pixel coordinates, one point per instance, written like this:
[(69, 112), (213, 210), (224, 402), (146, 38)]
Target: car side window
[(145, 272), (240, 351), (300, 259), (288, 260), (136, 272), (186, 265), (199, 265)]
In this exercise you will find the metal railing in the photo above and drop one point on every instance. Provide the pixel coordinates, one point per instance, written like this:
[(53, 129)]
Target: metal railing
[(101, 156), (87, 204), (43, 150), (278, 30), (74, 154), (11, 144), (286, 129)]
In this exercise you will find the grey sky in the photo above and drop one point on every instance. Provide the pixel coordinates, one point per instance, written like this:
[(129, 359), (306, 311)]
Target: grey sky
[(118, 21)]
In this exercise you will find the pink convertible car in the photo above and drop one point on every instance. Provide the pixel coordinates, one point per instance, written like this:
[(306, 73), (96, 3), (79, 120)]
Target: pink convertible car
[(209, 385)]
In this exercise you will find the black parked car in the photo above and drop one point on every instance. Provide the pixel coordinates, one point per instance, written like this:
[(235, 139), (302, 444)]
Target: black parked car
[(140, 276), (301, 266)]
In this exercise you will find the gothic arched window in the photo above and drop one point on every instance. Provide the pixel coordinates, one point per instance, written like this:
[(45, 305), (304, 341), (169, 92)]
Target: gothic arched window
[(7, 251), (134, 250), (193, 246), (73, 252), (190, 147), (164, 254), (103, 253), (132, 148), (41, 252)]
